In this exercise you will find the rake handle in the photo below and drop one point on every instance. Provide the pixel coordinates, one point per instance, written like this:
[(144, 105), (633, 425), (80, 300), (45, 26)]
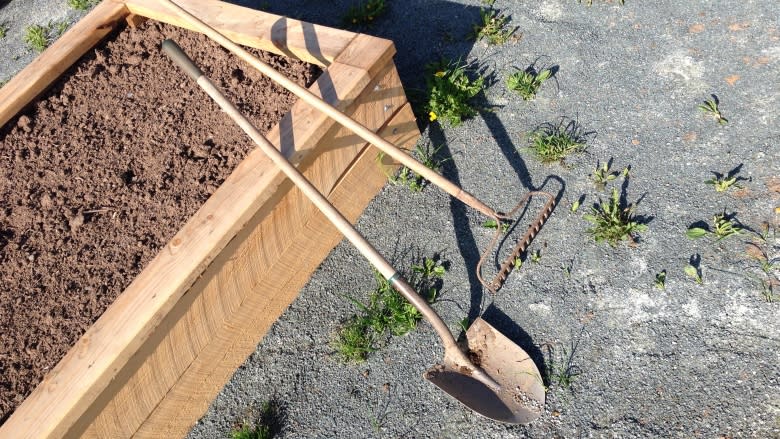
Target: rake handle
[(334, 216), (332, 112)]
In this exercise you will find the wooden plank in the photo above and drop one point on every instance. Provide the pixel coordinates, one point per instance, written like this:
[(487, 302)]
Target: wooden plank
[(367, 53), (274, 33), (46, 68), (269, 290)]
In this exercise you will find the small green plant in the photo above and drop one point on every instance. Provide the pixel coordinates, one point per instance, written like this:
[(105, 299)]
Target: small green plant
[(724, 182), (492, 27), (517, 263), (722, 227), (552, 143), (612, 222), (575, 206), (710, 106), (269, 423), (464, 324), (769, 265), (39, 37), (387, 312), (82, 5), (561, 370), (365, 12), (527, 82), (603, 174), (535, 256), (450, 92), (694, 273), (415, 182), (590, 2), (660, 280), (492, 224), (3, 30)]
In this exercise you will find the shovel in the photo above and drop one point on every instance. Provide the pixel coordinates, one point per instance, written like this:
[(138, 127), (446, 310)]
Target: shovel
[(499, 381), (505, 267)]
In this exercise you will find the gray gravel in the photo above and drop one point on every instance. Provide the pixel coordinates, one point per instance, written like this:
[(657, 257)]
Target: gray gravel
[(688, 361)]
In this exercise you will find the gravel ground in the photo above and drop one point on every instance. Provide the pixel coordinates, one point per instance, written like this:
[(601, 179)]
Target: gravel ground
[(687, 361)]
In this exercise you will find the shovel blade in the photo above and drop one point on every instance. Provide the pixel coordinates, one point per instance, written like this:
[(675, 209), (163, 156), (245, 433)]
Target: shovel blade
[(521, 397)]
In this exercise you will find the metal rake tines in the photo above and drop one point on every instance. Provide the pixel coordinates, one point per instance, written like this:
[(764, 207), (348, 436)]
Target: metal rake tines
[(522, 244)]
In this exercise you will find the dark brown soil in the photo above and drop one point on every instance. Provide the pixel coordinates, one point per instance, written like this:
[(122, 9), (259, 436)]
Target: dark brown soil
[(100, 173)]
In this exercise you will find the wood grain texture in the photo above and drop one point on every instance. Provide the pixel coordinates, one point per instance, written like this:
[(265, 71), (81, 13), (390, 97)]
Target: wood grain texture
[(248, 27), (46, 68)]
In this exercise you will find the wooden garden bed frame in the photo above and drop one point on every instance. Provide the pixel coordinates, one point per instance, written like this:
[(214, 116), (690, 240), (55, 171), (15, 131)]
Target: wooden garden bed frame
[(152, 363)]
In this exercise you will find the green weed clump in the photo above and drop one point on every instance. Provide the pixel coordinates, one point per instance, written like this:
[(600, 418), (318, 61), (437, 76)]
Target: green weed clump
[(553, 143), (613, 222), (722, 227), (527, 82), (38, 38), (429, 158), (82, 5), (492, 27), (710, 106), (364, 13), (269, 423), (387, 312), (3, 30), (450, 92)]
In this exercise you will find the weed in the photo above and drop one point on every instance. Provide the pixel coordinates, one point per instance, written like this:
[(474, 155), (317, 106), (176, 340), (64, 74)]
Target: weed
[(536, 256), (722, 227), (612, 222), (450, 91), (270, 422), (464, 324), (492, 28), (590, 2), (489, 2), (575, 206), (694, 273), (724, 182), (603, 175), (492, 224), (3, 30), (527, 82), (387, 311), (517, 263), (710, 106), (407, 177), (82, 5), (552, 143), (39, 37), (561, 370), (768, 265), (660, 280), (365, 12)]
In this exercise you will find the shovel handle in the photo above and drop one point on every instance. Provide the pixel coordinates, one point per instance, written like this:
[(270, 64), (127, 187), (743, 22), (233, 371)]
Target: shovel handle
[(335, 114), (322, 203)]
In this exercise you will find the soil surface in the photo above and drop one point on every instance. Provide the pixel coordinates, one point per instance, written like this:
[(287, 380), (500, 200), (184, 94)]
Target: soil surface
[(100, 173)]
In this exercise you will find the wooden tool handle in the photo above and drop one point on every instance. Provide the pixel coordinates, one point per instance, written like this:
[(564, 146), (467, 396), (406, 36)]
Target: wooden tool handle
[(332, 112)]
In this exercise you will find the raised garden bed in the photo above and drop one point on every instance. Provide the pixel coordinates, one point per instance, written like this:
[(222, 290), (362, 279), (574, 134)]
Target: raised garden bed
[(155, 358)]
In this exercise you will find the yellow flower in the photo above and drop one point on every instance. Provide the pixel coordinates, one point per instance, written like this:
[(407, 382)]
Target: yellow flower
[(432, 116), (439, 74)]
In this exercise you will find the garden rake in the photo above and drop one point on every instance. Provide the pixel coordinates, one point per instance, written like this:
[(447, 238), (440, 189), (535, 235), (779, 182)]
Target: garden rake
[(505, 267)]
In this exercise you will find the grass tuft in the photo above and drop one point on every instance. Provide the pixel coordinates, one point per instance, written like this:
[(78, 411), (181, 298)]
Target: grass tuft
[(38, 37), (428, 157), (613, 222), (527, 82), (82, 5), (387, 312), (492, 27), (553, 143), (710, 106)]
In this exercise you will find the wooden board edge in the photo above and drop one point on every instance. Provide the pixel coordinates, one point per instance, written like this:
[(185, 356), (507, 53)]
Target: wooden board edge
[(308, 42), (31, 81), (363, 171)]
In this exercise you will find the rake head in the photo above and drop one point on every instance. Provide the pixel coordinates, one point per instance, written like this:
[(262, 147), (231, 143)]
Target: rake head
[(506, 266)]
